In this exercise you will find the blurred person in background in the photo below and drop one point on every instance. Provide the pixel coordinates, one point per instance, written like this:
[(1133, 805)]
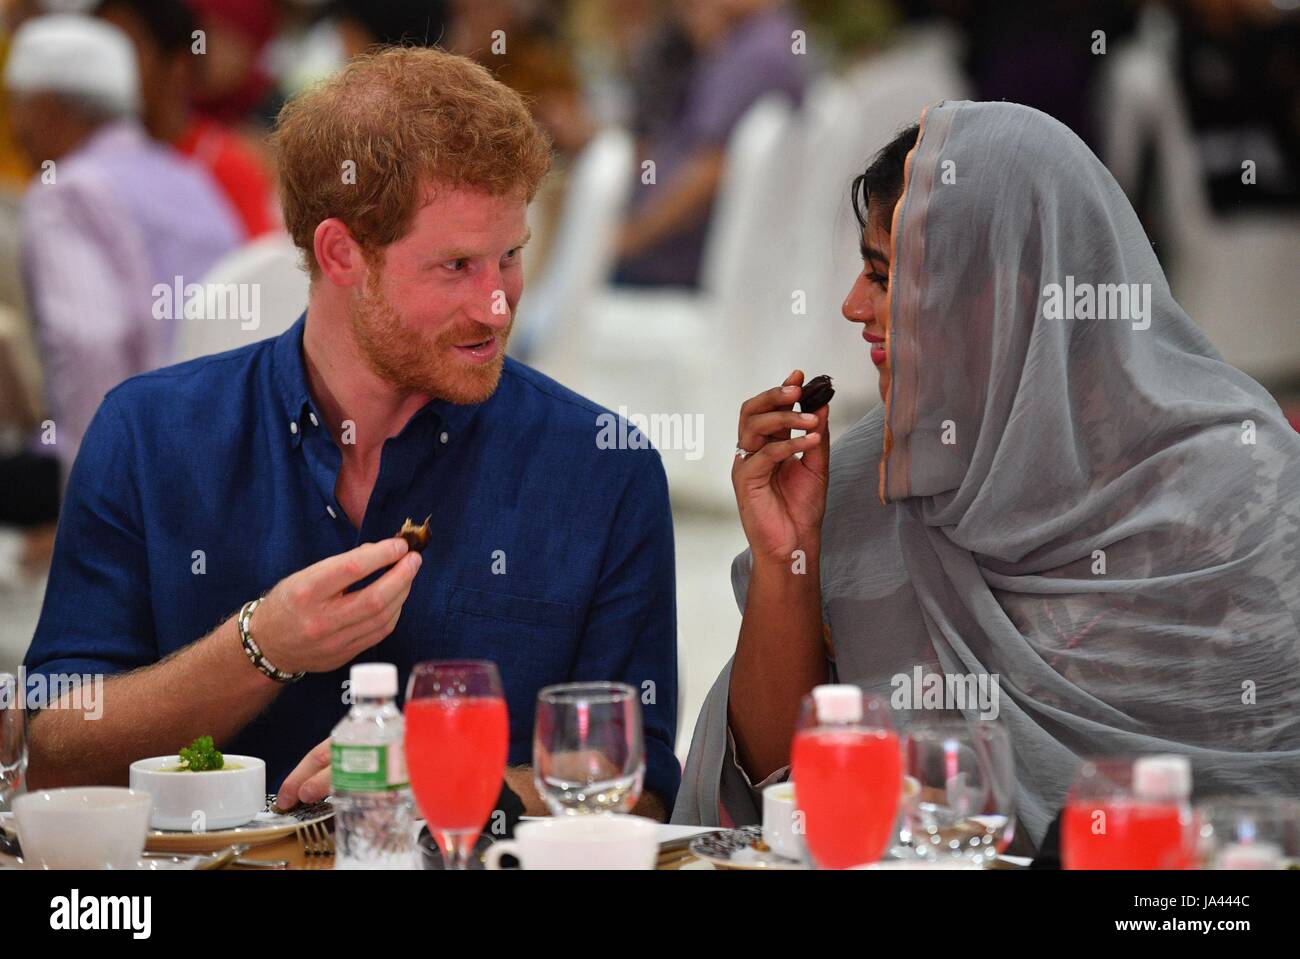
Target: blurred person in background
[(110, 214), (658, 61), (14, 169), (163, 34), (1238, 65), (235, 85), (1041, 54), (364, 23), (744, 49)]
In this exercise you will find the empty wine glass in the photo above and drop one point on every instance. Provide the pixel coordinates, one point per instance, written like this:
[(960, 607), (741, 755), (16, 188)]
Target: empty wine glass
[(1248, 832), (958, 790), (13, 738), (588, 748)]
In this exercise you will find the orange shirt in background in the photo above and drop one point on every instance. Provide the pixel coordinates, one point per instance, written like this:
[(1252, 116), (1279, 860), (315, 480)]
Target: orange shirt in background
[(237, 169)]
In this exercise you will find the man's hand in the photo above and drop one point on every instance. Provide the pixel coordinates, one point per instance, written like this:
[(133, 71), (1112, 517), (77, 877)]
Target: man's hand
[(310, 780), (308, 623)]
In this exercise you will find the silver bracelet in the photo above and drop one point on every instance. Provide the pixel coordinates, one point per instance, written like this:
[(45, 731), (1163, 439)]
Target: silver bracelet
[(254, 652)]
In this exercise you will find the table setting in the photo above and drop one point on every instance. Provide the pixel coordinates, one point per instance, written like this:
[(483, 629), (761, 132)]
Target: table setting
[(938, 793)]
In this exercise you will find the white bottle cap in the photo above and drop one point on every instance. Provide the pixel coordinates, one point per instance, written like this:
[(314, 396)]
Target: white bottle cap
[(1162, 777), (838, 703), (374, 680)]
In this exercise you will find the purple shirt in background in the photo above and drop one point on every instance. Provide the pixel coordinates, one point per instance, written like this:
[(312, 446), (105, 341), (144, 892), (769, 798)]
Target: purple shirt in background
[(123, 214), (755, 59)]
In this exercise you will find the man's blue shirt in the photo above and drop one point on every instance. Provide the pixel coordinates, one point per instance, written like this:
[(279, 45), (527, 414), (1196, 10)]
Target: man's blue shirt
[(200, 486)]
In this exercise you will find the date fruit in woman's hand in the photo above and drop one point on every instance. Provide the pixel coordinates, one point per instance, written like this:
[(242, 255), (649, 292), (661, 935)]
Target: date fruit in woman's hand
[(817, 392)]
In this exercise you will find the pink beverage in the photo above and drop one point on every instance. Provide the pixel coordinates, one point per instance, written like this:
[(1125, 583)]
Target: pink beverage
[(1121, 833), (456, 758), (847, 782)]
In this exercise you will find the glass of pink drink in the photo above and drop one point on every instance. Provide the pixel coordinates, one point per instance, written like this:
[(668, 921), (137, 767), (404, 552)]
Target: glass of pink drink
[(1112, 822), (847, 771), (457, 738)]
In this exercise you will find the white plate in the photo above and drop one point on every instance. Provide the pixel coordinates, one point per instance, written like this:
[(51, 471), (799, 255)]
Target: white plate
[(144, 865), (734, 849), (267, 826)]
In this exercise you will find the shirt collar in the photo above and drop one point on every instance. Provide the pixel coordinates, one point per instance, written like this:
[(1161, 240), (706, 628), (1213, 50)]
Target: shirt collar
[(296, 401)]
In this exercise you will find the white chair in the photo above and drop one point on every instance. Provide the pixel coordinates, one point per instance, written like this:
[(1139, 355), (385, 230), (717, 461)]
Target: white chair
[(582, 252), (848, 121), (264, 273), (1234, 276), (671, 351)]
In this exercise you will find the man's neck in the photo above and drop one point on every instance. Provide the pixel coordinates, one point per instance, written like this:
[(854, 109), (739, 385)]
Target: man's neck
[(348, 391)]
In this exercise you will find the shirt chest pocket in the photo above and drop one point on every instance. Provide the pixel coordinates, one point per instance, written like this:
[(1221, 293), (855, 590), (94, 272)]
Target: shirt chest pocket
[(533, 642)]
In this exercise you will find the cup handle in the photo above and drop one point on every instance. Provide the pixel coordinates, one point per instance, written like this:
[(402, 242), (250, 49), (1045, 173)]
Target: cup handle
[(505, 847)]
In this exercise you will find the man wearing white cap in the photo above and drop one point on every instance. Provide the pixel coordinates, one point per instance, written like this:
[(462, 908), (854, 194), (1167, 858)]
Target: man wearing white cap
[(109, 215)]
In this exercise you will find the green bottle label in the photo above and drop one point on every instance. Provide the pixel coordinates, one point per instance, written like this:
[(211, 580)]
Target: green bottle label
[(366, 769)]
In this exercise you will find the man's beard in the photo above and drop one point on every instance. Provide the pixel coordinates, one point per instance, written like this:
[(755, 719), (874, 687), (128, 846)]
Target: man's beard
[(414, 361)]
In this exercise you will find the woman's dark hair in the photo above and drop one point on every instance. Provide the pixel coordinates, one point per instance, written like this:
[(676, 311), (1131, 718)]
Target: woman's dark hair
[(882, 181)]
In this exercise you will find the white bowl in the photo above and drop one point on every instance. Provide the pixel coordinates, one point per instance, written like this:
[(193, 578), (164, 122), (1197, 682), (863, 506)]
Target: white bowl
[(86, 827), (201, 802)]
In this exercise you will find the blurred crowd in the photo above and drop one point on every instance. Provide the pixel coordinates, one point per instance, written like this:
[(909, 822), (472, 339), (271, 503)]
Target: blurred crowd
[(153, 116)]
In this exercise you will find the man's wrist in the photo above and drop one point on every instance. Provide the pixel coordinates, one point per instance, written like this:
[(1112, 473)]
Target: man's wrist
[(253, 651)]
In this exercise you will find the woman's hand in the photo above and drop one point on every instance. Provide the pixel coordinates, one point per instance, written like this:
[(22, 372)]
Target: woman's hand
[(781, 496)]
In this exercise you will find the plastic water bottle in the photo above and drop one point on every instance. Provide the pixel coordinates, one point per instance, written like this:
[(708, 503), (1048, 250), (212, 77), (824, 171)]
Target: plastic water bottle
[(375, 822)]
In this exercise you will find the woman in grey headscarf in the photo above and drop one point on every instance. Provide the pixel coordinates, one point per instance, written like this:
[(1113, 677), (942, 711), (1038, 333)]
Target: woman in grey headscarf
[(1067, 489)]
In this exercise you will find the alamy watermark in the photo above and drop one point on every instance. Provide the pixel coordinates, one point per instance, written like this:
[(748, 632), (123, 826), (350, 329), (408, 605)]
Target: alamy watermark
[(81, 691), (663, 431), (209, 301), (1098, 301), (920, 689)]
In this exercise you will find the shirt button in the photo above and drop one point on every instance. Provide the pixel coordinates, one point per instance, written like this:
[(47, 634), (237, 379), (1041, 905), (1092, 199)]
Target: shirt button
[(330, 509), (314, 421), (293, 427), (443, 438)]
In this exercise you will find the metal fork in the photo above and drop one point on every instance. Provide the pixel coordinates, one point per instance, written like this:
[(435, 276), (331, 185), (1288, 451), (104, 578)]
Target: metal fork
[(315, 839)]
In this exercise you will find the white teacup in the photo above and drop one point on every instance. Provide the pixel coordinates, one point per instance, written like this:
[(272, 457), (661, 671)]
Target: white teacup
[(781, 822), (604, 841), (87, 827)]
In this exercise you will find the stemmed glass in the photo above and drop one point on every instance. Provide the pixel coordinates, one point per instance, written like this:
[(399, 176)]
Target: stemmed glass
[(1110, 824), (13, 738), (457, 740), (1248, 832), (588, 748), (847, 773), (958, 789)]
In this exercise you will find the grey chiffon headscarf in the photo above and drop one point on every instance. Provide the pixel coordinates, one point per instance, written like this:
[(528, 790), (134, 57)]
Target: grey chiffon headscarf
[(1099, 511)]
